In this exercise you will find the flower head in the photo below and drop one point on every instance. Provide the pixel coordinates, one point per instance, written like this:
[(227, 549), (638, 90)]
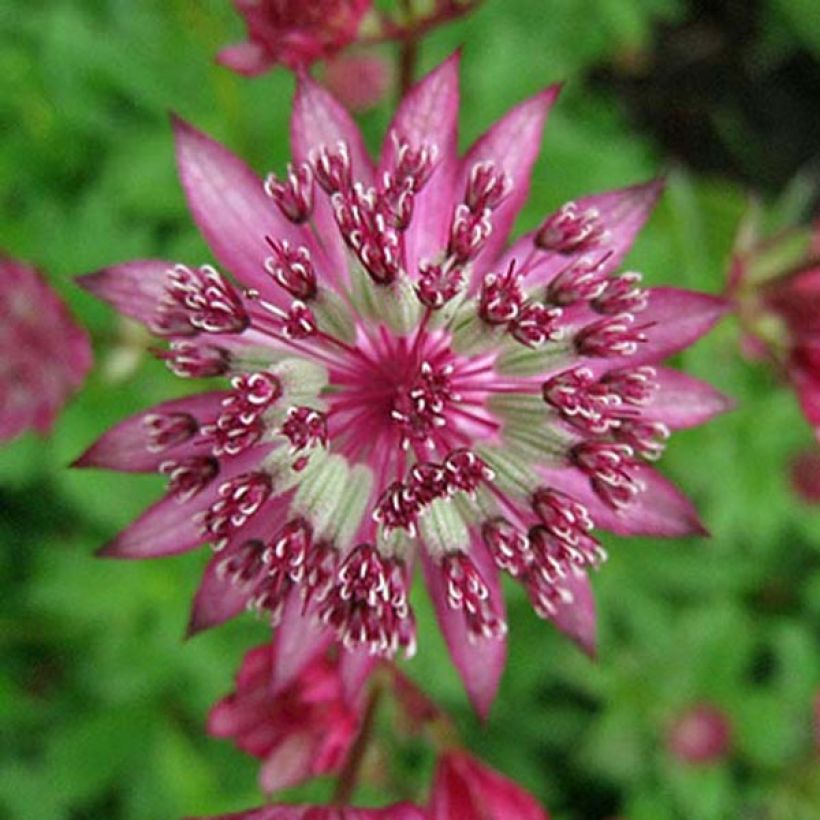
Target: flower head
[(299, 732), (469, 790), (292, 32), (702, 734), (778, 303), (44, 355), (398, 811), (403, 388)]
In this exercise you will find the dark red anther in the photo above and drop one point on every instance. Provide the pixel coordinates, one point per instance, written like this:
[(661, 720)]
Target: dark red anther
[(468, 592), (487, 187), (635, 386), (562, 515), (570, 230), (331, 169), (165, 430), (293, 195), (508, 545), (211, 301), (466, 471), (192, 360), (622, 295), (468, 233), (367, 233), (545, 591), (367, 606), (243, 565), (232, 433), (582, 401), (253, 393), (299, 322), (189, 476), (397, 508), (428, 481), (611, 468), (501, 299), (239, 499), (582, 280), (438, 284), (305, 427), (412, 167), (292, 268), (554, 557), (610, 337), (537, 324), (320, 572), (647, 438)]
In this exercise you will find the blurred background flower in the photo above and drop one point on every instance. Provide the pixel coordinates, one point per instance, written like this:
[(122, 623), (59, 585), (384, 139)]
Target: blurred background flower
[(104, 708)]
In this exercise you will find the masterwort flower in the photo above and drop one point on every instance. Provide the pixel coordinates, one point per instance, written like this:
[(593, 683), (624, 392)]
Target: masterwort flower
[(403, 388), (293, 33), (302, 731), (44, 354)]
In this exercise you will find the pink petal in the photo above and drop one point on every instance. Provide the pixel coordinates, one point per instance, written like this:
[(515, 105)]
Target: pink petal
[(577, 620), (319, 120), (133, 288), (429, 113), (623, 211), (125, 446), (468, 790), (229, 204), (289, 763), (677, 319), (165, 528), (661, 510), (684, 401), (354, 670), (296, 642), (479, 664), (512, 144), (217, 600), (248, 58)]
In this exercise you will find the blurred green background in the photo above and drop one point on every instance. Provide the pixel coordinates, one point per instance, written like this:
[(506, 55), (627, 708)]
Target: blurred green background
[(102, 704)]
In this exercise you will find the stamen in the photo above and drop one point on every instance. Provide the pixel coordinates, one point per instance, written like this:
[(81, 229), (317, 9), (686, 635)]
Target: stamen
[(368, 606), (294, 196), (501, 298), (397, 508), (647, 438), (467, 592), (636, 386), (613, 336), (582, 401), (508, 545), (536, 324), (166, 430), (622, 295), (189, 476), (562, 515), (438, 284), (332, 169), (487, 187), (190, 360), (305, 428), (466, 471), (211, 301), (609, 466), (569, 230), (468, 233), (428, 481), (583, 280), (239, 499), (292, 268)]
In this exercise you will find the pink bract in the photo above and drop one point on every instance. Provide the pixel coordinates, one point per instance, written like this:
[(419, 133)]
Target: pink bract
[(302, 731), (469, 790), (404, 388), (293, 33), (44, 354)]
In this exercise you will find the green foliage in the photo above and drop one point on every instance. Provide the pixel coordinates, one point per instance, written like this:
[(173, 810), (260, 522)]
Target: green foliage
[(103, 704)]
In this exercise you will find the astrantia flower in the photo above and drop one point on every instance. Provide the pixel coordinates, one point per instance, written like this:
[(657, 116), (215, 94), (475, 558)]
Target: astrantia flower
[(702, 734), (398, 811), (294, 33), (402, 388), (778, 304), (469, 790), (300, 732), (44, 355)]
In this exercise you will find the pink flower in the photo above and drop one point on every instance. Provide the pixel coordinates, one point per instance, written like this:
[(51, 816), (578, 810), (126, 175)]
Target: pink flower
[(44, 354), (300, 732), (780, 311), (404, 387), (469, 790), (358, 81), (702, 734), (398, 811), (292, 32), (805, 470)]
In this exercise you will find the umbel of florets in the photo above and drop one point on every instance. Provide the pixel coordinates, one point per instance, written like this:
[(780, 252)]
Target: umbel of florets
[(403, 387)]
